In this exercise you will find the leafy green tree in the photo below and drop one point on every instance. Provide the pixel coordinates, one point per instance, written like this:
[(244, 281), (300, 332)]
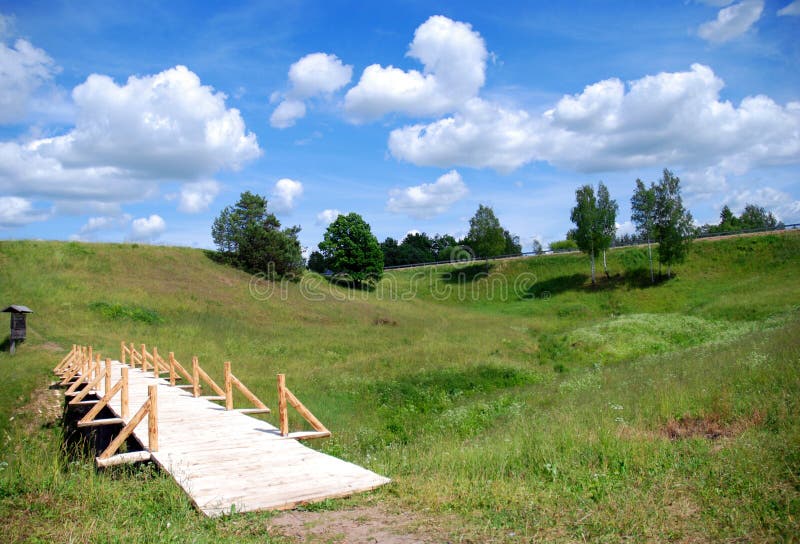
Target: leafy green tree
[(727, 221), (592, 217), (512, 245), (563, 245), (350, 249), (391, 252), (416, 248), (643, 215), (607, 221), (250, 237), (756, 217), (443, 246), (316, 262), (673, 227), (486, 237)]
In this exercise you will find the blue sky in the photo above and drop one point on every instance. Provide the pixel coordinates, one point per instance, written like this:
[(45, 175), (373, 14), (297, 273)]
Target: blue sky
[(141, 121)]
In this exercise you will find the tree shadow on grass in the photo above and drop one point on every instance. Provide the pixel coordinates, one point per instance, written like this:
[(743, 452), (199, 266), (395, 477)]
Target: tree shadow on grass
[(638, 278), (343, 280), (557, 285), (467, 273)]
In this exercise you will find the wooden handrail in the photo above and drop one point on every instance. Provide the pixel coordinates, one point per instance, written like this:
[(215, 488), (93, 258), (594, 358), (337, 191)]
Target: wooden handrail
[(104, 374), (175, 365), (66, 360), (149, 409), (230, 382), (120, 387), (198, 374), (285, 395)]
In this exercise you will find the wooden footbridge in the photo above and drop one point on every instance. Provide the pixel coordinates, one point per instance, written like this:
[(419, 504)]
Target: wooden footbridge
[(225, 460)]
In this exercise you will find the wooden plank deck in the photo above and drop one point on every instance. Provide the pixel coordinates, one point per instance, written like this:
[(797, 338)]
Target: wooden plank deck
[(228, 461)]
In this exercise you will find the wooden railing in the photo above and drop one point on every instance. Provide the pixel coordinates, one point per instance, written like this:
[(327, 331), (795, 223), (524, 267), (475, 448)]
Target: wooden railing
[(79, 368), (82, 372)]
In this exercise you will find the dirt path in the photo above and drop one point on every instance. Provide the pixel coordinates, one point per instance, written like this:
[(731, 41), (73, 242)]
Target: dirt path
[(363, 525)]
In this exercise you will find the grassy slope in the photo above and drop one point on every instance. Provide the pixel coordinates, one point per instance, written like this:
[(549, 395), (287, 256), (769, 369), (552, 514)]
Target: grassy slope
[(537, 410)]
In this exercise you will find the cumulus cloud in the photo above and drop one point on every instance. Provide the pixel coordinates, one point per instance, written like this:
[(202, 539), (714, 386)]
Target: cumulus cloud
[(129, 138), (98, 223), (103, 223), (284, 194), (481, 135), (16, 212), (318, 73), (669, 118), (147, 229), (454, 69), (790, 9), (326, 217), (732, 21), (23, 70), (780, 203), (429, 199), (198, 195), (313, 75), (287, 113)]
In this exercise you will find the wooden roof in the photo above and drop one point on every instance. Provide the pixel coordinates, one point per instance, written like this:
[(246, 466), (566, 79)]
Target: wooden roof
[(18, 309)]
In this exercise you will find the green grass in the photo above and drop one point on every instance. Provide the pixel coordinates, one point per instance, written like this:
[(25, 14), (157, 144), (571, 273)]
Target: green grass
[(513, 398)]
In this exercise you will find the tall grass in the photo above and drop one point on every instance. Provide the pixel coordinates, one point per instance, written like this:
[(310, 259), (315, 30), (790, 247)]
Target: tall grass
[(535, 412)]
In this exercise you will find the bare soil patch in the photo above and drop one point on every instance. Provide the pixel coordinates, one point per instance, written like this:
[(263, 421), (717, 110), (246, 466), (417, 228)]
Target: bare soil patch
[(710, 426), (364, 525), (44, 408), (384, 321), (51, 346)]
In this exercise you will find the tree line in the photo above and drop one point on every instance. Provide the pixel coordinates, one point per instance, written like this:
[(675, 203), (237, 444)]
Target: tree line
[(251, 238)]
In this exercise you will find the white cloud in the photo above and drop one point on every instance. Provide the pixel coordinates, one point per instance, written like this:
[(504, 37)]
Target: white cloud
[(326, 217), (23, 70), (481, 135), (454, 69), (147, 229), (318, 73), (790, 9), (429, 199), (626, 227), (284, 194), (15, 212), (778, 202), (287, 113), (313, 75), (669, 118), (100, 224), (732, 21), (129, 138), (198, 195)]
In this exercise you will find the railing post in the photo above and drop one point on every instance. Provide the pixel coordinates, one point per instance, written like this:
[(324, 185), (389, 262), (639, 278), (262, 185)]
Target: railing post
[(123, 394), (195, 377), (144, 358), (122, 352), (156, 373), (152, 418), (91, 358), (228, 387), (108, 375), (284, 415), (171, 368)]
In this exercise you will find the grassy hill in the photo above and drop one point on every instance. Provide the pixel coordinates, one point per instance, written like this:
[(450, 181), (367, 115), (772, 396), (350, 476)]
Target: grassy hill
[(507, 400)]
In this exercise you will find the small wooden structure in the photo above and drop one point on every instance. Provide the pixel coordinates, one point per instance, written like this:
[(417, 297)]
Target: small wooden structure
[(225, 460), (18, 326)]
